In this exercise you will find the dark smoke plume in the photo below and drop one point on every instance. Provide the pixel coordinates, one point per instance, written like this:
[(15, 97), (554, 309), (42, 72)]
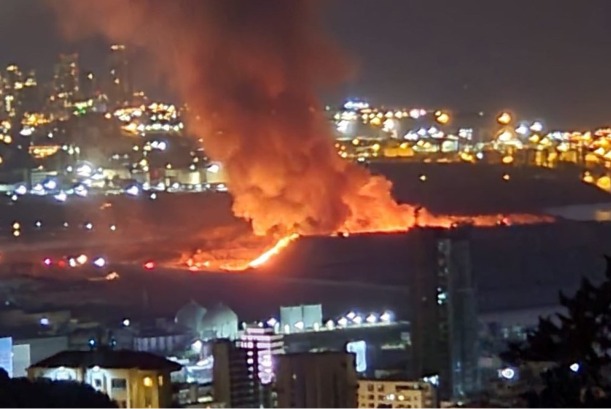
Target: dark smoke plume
[(250, 71)]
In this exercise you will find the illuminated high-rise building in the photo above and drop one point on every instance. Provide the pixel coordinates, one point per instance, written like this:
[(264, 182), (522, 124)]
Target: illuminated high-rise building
[(12, 83), (66, 80), (444, 325), (120, 89), (266, 344), (19, 93)]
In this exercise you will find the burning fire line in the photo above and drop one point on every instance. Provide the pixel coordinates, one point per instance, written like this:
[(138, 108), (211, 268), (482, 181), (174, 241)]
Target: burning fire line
[(280, 245), (446, 222)]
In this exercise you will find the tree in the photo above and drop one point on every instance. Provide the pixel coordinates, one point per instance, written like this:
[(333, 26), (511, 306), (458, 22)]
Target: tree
[(44, 393), (576, 344)]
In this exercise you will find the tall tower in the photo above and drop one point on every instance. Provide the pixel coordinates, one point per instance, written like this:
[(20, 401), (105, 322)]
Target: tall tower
[(120, 89), (443, 312)]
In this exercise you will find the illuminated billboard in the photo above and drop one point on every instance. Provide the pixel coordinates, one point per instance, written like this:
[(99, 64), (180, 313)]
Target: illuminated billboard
[(359, 349)]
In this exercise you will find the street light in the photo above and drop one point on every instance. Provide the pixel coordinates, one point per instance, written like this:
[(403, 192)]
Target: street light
[(442, 117), (504, 118)]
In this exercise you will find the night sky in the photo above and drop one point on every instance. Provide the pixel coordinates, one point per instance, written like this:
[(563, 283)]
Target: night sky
[(548, 59)]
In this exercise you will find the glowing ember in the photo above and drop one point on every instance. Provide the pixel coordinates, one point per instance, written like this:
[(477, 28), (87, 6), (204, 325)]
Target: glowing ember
[(278, 247)]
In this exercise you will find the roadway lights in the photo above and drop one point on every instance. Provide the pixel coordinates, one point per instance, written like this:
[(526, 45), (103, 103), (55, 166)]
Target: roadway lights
[(386, 317), (99, 262), (371, 319)]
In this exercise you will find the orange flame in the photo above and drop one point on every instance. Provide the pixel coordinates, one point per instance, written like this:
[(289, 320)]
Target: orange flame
[(280, 245)]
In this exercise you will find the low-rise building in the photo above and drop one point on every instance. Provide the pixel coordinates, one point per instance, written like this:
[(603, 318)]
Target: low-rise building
[(396, 394), (133, 379)]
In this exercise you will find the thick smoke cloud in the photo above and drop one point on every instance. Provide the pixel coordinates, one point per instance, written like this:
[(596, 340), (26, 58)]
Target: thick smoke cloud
[(250, 71)]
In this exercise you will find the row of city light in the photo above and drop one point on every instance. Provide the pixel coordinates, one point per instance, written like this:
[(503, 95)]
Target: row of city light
[(351, 319), (17, 227)]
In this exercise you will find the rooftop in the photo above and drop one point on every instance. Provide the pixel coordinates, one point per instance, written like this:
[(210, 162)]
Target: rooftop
[(108, 358)]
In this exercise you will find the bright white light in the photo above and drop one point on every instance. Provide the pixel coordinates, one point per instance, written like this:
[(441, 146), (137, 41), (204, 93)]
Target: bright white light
[(214, 168), (508, 373), (272, 322), (44, 321), (358, 320), (132, 190), (330, 325), (14, 198), (72, 262), (342, 322), (162, 146), (84, 170), (126, 322), (386, 317), (113, 227), (522, 130), (38, 189), (433, 379), (536, 126), (414, 113), (38, 223), (26, 131), (21, 190), (88, 226), (153, 196), (356, 105), (389, 125), (351, 315), (82, 259), (99, 262), (96, 368), (81, 191), (479, 155), (51, 184), (197, 346), (574, 367), (61, 196), (372, 319), (300, 325)]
